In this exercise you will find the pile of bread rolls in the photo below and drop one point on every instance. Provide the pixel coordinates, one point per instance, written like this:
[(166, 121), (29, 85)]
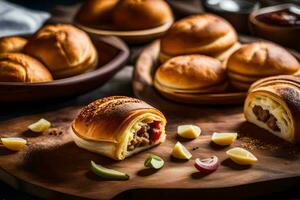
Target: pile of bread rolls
[(201, 54), (125, 15), (53, 52)]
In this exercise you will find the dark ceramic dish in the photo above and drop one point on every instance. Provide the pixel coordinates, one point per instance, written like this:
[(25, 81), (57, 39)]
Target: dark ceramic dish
[(235, 11), (285, 35), (113, 54)]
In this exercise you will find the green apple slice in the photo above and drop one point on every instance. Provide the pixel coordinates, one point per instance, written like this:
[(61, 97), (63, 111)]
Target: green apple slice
[(107, 173), (154, 162)]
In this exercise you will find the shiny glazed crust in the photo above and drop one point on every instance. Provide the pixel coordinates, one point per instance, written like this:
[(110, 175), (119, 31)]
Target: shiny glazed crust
[(258, 60), (18, 67), (202, 34), (104, 125), (280, 95), (64, 49), (12, 44), (191, 74), (96, 12), (141, 14)]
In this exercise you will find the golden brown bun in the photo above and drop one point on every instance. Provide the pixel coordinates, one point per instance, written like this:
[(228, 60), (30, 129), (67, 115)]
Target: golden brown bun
[(191, 74), (279, 96), (12, 44), (141, 14), (105, 125), (96, 11), (18, 67), (258, 60), (64, 49), (199, 34)]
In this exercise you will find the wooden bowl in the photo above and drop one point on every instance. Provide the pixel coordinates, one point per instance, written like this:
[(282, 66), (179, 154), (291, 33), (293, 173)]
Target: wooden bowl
[(147, 64), (132, 37), (287, 36), (113, 54), (144, 89)]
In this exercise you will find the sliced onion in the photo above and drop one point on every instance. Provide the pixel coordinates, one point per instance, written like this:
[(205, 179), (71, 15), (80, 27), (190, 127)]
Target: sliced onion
[(207, 165)]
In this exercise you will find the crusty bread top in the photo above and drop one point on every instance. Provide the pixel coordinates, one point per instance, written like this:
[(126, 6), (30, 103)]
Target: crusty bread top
[(205, 34), (141, 14), (18, 67), (262, 59), (190, 72)]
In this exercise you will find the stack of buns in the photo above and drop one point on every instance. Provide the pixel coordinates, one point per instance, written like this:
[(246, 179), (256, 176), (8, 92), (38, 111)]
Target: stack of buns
[(125, 14), (259, 60), (55, 51), (201, 54)]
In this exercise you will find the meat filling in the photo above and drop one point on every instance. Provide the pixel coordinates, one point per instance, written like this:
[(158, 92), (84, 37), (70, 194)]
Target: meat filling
[(266, 117), (146, 135)]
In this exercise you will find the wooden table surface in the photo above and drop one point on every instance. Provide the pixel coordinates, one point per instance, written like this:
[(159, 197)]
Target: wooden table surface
[(119, 85)]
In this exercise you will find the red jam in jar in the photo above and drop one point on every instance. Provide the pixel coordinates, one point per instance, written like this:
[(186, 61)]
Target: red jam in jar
[(287, 17)]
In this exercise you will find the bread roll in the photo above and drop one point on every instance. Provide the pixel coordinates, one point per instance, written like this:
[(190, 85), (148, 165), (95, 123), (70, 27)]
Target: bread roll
[(118, 127), (12, 44), (141, 14), (65, 50), (96, 12), (18, 67), (258, 60), (191, 74), (273, 104), (199, 34)]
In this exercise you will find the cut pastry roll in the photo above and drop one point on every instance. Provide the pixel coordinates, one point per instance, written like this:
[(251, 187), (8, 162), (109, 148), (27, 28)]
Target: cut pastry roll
[(273, 104), (118, 127)]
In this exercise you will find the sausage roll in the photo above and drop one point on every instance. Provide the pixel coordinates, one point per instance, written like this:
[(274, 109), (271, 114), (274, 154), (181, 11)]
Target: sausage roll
[(274, 104), (118, 127)]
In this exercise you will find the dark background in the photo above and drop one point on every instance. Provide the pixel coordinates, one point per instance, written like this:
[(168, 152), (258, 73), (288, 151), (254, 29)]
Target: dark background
[(8, 193)]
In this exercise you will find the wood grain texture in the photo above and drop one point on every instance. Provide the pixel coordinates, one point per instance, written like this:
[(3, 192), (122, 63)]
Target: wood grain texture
[(53, 167)]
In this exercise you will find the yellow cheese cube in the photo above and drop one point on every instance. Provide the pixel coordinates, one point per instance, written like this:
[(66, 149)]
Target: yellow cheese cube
[(40, 126), (188, 131), (13, 143), (223, 138), (180, 152)]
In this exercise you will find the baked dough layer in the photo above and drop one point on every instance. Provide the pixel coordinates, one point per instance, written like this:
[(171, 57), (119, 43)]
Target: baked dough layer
[(107, 126), (278, 98)]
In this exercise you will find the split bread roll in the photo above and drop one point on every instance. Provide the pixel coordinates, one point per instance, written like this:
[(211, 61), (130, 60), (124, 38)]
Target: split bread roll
[(259, 60), (205, 34), (273, 104), (12, 44), (118, 127), (18, 67), (191, 74), (64, 49), (141, 14)]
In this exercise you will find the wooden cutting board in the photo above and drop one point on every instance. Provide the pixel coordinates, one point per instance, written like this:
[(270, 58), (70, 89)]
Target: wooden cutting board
[(53, 167)]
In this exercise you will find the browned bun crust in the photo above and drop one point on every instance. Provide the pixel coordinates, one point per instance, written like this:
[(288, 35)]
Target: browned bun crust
[(18, 67), (202, 34), (191, 74), (285, 90), (141, 14), (64, 49), (258, 60), (106, 115), (96, 12), (12, 44)]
